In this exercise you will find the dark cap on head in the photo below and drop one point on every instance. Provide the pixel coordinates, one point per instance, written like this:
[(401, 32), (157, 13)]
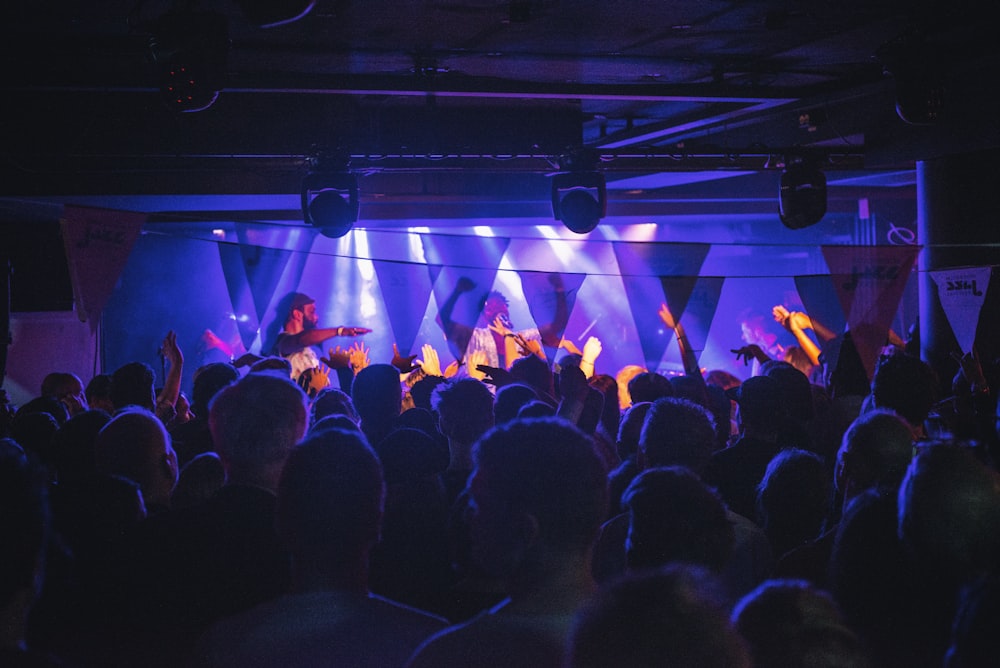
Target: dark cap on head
[(759, 397), (299, 301)]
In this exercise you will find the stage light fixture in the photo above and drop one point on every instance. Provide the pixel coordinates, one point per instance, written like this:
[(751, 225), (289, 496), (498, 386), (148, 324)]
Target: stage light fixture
[(189, 50), (579, 200), (330, 202), (802, 194)]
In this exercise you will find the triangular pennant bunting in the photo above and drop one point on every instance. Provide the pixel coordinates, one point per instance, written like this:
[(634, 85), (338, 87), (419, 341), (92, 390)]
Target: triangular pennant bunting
[(869, 281), (821, 303), (406, 288), (550, 298), (962, 292), (692, 301), (98, 243)]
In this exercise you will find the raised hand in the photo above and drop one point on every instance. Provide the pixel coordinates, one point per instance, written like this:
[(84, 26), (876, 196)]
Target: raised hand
[(452, 369), (666, 316), (171, 350), (749, 353), (465, 284), (403, 363), (337, 358), (475, 360), (781, 314), (359, 356), (528, 346), (592, 349), (319, 380), (431, 363), (352, 331), (570, 347)]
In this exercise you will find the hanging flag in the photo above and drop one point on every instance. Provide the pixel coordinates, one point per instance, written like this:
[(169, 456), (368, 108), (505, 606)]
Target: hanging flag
[(406, 286), (869, 281), (98, 243), (677, 267), (821, 303), (692, 301), (468, 271), (962, 292), (551, 298)]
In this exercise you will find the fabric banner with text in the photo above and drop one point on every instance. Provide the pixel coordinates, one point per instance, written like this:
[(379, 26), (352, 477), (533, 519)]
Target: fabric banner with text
[(869, 281), (98, 243), (962, 291)]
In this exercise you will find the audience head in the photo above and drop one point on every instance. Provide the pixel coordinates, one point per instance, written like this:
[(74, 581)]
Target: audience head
[(675, 517), (973, 634), (74, 445), (795, 390), (649, 386), (610, 413), (98, 393), (630, 428), (376, 393), (844, 371), (198, 481), (721, 378), (208, 380), (510, 399), (905, 384), (464, 408), (536, 408), (759, 402), (538, 488), (949, 512), (794, 499), (875, 451), (67, 388), (134, 444), (272, 363), (667, 617), (330, 500), (690, 388), (255, 422), (333, 401), (133, 384), (535, 373), (676, 432), (622, 378), (422, 391), (791, 624), (35, 430)]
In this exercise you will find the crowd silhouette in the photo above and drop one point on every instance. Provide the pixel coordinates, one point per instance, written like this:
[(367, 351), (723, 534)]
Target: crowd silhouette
[(526, 512)]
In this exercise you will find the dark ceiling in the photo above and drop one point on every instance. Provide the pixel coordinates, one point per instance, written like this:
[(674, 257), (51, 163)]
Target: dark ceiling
[(449, 109)]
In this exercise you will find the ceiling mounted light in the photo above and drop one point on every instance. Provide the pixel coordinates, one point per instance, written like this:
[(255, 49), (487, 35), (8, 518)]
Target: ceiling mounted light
[(330, 201), (802, 194), (579, 195), (189, 50)]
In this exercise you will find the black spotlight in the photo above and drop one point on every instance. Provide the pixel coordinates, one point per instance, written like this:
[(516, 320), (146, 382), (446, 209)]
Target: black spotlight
[(189, 50), (330, 202), (802, 196), (579, 200)]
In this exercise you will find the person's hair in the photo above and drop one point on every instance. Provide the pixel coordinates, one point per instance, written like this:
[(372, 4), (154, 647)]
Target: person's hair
[(59, 383), (132, 445), (132, 384), (876, 449), (330, 497), (791, 624), (272, 363), (794, 390), (794, 498), (630, 428), (509, 400), (690, 388), (333, 401), (73, 445), (721, 378), (668, 617), (198, 480), (533, 372), (422, 391), (649, 386), (464, 408), (949, 512), (907, 385), (675, 517), (208, 380), (677, 432), (610, 414), (256, 421), (377, 393), (98, 388), (547, 468)]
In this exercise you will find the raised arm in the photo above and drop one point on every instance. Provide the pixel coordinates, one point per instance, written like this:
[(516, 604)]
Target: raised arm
[(457, 333), (688, 358), (797, 323), (172, 383), (314, 337)]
